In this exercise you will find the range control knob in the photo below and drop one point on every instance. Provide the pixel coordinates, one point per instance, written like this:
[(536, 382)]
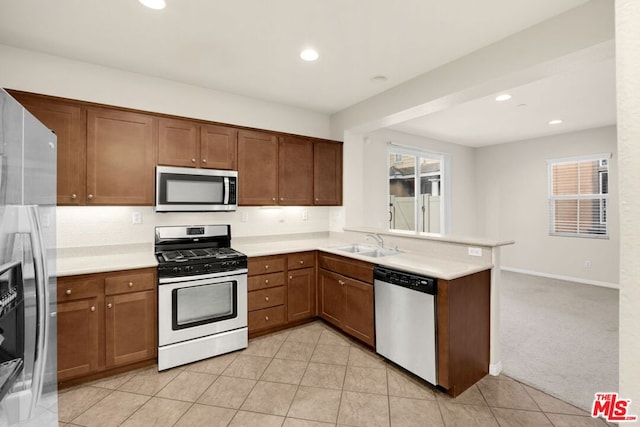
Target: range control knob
[(188, 268), (176, 270)]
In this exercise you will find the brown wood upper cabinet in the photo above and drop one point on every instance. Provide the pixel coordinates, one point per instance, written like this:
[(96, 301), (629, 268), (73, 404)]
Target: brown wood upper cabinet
[(327, 173), (295, 179), (120, 157), (257, 168), (190, 144), (288, 171), (68, 121)]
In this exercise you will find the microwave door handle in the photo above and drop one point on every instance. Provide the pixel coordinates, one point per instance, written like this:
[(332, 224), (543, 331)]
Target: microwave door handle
[(226, 191), (42, 301)]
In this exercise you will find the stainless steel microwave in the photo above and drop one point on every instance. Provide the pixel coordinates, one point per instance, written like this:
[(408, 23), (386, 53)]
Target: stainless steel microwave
[(195, 190)]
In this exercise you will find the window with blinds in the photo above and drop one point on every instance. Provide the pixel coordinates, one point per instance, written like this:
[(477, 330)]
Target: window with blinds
[(578, 195)]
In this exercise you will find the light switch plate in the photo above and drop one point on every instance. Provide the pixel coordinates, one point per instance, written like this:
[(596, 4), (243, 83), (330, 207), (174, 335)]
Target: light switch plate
[(475, 251)]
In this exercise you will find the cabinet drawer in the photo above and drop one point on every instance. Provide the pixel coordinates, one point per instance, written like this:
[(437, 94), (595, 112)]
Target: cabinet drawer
[(348, 267), (301, 260), (266, 298), (75, 289), (268, 264), (266, 318), (264, 281), (135, 282)]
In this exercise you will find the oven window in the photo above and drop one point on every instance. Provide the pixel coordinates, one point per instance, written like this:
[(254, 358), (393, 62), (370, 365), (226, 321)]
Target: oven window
[(199, 305)]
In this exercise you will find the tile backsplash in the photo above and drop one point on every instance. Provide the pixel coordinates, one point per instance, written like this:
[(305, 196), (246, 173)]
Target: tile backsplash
[(79, 226)]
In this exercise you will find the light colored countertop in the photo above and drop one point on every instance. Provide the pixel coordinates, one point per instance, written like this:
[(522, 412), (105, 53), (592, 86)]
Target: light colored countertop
[(86, 260), (99, 259)]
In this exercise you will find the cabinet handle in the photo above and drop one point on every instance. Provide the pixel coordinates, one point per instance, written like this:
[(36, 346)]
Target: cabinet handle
[(92, 308), (266, 298), (266, 318), (68, 292), (74, 196), (193, 160), (204, 160), (109, 305), (290, 277), (90, 196), (131, 284)]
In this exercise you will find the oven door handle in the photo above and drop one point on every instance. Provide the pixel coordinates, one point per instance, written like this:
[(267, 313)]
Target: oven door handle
[(221, 276)]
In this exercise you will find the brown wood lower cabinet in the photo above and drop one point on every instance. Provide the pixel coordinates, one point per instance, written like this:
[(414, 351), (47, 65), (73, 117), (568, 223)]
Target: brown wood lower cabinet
[(106, 321), (345, 296), (463, 311)]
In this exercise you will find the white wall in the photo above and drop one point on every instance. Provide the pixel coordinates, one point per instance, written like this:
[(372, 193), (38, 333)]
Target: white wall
[(375, 175), (628, 99), (52, 75), (512, 195)]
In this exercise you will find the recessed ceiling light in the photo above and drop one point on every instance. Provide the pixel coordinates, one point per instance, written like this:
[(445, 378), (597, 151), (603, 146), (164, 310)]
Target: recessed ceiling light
[(503, 97), (309, 54), (555, 122), (154, 4)]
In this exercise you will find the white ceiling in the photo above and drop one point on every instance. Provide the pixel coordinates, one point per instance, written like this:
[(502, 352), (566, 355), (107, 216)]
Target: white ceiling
[(250, 48)]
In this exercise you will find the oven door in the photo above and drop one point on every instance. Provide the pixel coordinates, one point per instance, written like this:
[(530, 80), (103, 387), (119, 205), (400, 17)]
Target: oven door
[(204, 306)]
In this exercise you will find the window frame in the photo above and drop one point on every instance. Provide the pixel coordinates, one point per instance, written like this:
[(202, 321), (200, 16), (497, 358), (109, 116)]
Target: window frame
[(603, 215), (444, 187)]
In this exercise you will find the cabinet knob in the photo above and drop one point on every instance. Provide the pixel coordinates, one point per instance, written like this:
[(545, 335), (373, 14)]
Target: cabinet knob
[(266, 281), (317, 200), (90, 196), (273, 198), (266, 266), (68, 292), (341, 282), (266, 298), (109, 305), (92, 308), (193, 160), (204, 160), (131, 284), (266, 318), (281, 198), (301, 261), (74, 196), (290, 277)]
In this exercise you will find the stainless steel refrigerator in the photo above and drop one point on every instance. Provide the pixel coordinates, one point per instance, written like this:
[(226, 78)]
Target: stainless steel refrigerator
[(28, 366)]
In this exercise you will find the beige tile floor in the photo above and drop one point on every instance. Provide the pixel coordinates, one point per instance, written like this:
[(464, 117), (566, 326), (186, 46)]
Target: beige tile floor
[(311, 376)]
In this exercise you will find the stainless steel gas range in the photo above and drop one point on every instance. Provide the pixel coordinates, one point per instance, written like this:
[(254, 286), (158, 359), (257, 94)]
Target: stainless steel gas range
[(202, 294)]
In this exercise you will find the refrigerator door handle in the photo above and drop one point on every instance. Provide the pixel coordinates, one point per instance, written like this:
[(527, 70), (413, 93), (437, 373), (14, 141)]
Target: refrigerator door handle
[(42, 298)]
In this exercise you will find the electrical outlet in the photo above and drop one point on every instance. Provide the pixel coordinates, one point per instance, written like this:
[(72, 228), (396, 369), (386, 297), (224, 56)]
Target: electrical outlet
[(305, 215), (475, 251), (136, 217), (244, 216)]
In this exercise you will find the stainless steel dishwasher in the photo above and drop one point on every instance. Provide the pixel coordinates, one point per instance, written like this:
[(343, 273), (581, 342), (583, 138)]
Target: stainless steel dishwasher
[(405, 307)]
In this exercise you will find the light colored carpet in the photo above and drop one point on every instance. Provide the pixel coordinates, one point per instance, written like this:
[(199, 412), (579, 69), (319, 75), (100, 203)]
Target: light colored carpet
[(560, 337)]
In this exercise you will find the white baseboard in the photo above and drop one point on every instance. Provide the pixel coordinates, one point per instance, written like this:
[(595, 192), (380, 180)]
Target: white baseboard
[(495, 368), (560, 277)]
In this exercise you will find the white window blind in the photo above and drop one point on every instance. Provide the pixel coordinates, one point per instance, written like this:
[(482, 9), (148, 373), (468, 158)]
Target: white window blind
[(578, 196)]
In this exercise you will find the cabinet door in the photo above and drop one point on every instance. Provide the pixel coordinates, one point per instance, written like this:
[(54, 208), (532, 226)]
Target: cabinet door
[(120, 160), (218, 147), (177, 143), (327, 173), (330, 298), (130, 326), (295, 177), (257, 168), (78, 337), (359, 312), (301, 294), (68, 121)]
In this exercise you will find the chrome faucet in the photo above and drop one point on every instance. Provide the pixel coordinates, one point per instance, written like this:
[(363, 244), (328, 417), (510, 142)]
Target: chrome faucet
[(377, 238)]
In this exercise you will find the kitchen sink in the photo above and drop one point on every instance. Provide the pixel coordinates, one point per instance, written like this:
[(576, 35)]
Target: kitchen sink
[(366, 250)]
